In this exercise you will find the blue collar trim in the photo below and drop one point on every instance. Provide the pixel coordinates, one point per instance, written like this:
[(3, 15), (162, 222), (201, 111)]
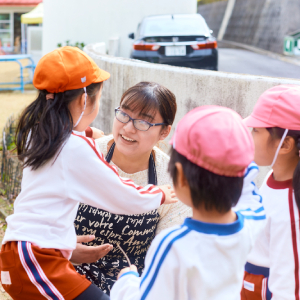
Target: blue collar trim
[(218, 229)]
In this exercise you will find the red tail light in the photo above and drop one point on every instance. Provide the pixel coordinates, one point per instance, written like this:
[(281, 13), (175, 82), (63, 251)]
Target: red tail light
[(145, 47), (207, 45)]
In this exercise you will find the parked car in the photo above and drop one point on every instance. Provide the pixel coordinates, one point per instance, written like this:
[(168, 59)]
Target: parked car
[(180, 40)]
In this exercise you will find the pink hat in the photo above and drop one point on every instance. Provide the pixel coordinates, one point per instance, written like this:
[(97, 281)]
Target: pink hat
[(215, 138), (279, 106)]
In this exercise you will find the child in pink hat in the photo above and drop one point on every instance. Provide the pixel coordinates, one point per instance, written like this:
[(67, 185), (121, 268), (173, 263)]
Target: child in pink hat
[(272, 270), (212, 170)]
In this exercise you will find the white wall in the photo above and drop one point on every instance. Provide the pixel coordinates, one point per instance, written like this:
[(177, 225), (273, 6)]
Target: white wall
[(93, 21)]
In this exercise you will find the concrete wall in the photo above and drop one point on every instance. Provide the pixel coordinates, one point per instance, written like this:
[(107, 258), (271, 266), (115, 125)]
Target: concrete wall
[(244, 21), (277, 19), (94, 21), (213, 14), (259, 23), (191, 87)]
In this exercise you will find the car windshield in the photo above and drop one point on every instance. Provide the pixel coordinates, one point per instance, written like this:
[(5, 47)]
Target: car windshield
[(175, 26)]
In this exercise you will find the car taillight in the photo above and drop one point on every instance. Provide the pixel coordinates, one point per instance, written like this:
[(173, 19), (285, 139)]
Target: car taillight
[(145, 47), (207, 45)]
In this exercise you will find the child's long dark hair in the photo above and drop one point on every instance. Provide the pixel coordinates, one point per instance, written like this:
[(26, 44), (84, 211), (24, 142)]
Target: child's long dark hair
[(277, 133), (45, 125)]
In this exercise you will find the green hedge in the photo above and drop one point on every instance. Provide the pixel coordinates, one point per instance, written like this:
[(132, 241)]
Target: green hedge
[(11, 168)]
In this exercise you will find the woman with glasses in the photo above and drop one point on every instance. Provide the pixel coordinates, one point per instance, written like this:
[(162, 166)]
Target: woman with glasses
[(144, 118)]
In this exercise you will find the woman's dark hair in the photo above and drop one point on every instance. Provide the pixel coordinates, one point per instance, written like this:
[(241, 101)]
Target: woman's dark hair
[(148, 98), (277, 133), (208, 189), (45, 125)]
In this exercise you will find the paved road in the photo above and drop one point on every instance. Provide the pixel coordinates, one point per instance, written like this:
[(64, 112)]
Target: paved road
[(246, 62)]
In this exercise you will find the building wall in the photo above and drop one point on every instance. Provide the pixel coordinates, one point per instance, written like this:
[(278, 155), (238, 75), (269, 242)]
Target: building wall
[(98, 20), (21, 9), (11, 10)]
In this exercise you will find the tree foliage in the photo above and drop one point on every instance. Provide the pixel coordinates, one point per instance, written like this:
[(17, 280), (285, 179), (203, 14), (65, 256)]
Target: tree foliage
[(201, 2)]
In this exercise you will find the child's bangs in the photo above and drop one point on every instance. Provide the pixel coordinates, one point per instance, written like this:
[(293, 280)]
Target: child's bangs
[(145, 106)]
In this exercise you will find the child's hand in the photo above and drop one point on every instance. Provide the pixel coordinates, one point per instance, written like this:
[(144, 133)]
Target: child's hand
[(88, 254), (170, 196), (97, 133), (126, 270)]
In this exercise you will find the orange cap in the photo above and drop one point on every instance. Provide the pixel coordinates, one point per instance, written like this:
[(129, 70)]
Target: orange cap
[(67, 68)]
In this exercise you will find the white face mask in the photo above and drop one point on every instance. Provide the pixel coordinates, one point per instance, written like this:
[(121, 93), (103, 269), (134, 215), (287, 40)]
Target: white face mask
[(83, 108), (279, 146)]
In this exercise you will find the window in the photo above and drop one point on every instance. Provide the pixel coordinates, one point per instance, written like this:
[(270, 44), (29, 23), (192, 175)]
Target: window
[(17, 32), (179, 25), (6, 30)]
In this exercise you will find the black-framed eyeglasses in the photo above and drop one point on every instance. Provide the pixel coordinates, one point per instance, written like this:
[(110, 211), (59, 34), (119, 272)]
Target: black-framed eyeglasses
[(141, 125)]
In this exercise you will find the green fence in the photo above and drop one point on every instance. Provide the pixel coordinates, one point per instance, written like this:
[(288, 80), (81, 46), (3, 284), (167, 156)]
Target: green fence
[(291, 44)]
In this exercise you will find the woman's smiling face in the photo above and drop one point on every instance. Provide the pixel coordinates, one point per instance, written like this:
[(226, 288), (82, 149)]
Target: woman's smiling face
[(133, 142)]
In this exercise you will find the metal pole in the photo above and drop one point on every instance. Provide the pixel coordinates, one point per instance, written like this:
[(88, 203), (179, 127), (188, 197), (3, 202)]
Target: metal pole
[(26, 38)]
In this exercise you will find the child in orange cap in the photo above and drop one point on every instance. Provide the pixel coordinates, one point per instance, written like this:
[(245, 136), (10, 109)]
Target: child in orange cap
[(205, 257), (272, 270), (62, 167)]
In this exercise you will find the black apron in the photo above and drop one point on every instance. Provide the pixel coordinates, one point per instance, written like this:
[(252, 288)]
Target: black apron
[(134, 233)]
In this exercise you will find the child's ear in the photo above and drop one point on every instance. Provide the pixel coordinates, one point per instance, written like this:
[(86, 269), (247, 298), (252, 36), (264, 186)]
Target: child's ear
[(181, 179), (165, 132), (81, 101), (288, 145)]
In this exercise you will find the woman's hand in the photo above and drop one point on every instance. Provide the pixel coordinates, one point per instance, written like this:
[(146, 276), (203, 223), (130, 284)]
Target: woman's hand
[(126, 270), (97, 133), (170, 196), (88, 254)]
